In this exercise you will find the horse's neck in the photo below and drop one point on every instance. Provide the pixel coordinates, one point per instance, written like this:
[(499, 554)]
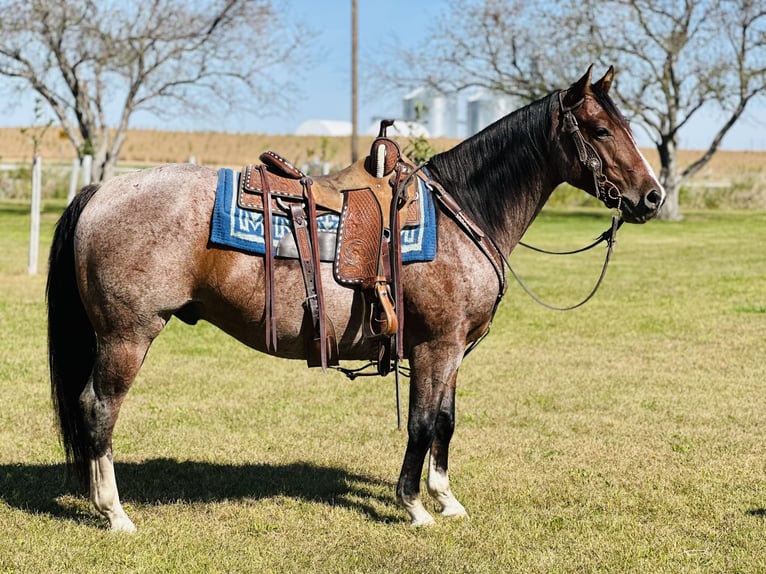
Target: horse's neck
[(499, 189)]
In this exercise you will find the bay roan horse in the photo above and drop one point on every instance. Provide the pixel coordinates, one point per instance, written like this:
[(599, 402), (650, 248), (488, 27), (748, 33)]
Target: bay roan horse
[(134, 251)]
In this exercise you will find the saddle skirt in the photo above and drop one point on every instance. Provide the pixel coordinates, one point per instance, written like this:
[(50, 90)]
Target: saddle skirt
[(328, 190), (243, 229)]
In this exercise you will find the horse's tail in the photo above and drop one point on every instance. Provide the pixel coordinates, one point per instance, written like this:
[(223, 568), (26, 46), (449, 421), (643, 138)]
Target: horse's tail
[(71, 339)]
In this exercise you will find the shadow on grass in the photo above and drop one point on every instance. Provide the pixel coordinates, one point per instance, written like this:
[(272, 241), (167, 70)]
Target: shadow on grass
[(38, 488)]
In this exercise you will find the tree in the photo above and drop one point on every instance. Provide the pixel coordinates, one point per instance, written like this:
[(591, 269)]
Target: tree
[(675, 59), (95, 63), (491, 44), (682, 58)]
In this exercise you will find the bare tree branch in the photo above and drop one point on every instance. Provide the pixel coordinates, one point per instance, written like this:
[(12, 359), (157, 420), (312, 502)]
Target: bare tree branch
[(96, 63), (675, 59)]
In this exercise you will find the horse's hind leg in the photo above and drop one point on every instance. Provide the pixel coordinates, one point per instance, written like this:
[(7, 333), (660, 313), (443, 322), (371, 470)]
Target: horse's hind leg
[(116, 366)]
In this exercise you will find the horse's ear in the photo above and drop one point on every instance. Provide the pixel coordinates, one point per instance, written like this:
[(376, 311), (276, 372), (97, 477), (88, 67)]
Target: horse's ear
[(605, 83), (579, 89)]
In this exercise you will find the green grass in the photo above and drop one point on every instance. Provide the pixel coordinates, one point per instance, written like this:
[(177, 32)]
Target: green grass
[(626, 436)]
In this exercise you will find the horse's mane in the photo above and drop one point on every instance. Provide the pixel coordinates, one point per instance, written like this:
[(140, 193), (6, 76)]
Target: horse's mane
[(499, 171), (496, 170)]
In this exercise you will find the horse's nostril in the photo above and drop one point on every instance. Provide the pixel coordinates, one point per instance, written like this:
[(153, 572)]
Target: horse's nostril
[(653, 199)]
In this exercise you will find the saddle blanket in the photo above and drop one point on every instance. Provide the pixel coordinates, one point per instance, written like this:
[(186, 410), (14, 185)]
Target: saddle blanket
[(243, 229)]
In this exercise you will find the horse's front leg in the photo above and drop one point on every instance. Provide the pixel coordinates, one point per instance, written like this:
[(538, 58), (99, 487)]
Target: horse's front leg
[(438, 476), (430, 426)]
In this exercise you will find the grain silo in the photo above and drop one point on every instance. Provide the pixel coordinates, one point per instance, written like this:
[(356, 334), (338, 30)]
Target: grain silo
[(484, 107)]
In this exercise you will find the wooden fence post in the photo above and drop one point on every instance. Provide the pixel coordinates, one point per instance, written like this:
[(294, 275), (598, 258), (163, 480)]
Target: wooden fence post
[(73, 180), (34, 231)]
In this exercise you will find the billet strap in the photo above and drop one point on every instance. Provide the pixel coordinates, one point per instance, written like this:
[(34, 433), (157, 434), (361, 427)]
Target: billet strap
[(268, 266), (395, 255), (305, 257), (319, 292)]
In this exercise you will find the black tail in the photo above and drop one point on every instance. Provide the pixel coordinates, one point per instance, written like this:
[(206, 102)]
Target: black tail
[(71, 340)]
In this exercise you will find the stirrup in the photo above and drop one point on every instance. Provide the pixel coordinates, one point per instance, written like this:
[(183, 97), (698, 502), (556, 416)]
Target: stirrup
[(380, 320)]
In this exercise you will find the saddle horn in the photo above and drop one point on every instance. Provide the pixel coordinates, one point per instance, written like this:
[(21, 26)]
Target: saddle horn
[(384, 125), (384, 153)]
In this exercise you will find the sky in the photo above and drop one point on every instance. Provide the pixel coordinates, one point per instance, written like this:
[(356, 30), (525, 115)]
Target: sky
[(381, 23)]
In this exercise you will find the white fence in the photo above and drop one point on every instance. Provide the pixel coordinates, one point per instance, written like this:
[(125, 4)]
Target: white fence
[(34, 230)]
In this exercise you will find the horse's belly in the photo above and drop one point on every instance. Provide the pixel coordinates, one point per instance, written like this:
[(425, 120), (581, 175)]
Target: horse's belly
[(237, 306)]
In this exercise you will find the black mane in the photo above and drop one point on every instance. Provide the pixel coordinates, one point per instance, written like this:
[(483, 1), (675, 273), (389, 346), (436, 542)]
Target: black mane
[(498, 170)]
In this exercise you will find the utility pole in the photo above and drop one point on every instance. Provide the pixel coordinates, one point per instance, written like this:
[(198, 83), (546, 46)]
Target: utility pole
[(354, 87)]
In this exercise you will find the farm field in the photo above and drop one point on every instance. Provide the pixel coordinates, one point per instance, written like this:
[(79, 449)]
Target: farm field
[(732, 179), (626, 436)]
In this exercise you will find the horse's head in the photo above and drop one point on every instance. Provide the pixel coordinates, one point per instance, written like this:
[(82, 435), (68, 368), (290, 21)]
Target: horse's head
[(602, 156)]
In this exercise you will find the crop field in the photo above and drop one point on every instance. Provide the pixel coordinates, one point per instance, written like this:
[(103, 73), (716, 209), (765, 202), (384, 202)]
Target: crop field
[(731, 180), (626, 436)]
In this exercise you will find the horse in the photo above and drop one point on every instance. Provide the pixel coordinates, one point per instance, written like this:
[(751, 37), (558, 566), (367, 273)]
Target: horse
[(132, 252)]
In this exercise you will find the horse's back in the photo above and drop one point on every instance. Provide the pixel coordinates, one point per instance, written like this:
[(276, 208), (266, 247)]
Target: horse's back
[(150, 198), (144, 254)]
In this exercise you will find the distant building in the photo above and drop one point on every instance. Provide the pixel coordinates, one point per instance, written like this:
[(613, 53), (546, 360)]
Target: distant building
[(436, 110), (484, 108), (324, 128)]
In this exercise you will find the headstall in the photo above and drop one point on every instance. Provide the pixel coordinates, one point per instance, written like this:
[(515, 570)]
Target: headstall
[(606, 191)]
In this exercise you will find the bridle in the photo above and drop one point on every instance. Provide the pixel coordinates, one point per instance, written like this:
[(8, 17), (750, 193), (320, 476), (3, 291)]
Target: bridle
[(606, 191)]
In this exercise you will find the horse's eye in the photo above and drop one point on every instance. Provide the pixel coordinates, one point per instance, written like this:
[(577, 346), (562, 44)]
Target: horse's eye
[(602, 133)]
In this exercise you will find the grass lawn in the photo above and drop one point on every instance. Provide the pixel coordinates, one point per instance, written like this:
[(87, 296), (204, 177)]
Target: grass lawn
[(626, 436)]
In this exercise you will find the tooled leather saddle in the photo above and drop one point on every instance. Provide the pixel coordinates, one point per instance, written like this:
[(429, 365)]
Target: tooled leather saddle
[(369, 196)]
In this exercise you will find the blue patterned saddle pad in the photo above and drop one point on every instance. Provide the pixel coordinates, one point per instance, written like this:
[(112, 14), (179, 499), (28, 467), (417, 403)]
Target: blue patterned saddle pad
[(243, 229)]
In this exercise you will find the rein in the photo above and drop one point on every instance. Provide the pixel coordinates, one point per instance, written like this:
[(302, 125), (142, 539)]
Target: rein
[(606, 191), (610, 236)]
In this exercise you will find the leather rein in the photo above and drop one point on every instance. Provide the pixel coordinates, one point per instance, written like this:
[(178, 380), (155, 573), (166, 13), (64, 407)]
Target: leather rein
[(606, 192)]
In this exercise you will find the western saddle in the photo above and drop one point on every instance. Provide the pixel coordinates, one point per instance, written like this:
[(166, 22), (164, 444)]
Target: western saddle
[(368, 196)]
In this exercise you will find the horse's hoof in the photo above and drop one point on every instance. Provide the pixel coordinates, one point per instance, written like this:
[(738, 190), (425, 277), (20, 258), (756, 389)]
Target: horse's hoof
[(419, 516), (455, 513), (451, 508), (123, 524), (425, 520)]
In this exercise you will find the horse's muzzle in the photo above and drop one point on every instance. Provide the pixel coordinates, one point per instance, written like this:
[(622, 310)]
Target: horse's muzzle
[(645, 209), (654, 199)]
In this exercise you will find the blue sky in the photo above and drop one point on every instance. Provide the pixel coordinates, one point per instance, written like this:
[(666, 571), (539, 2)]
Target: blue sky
[(381, 23)]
